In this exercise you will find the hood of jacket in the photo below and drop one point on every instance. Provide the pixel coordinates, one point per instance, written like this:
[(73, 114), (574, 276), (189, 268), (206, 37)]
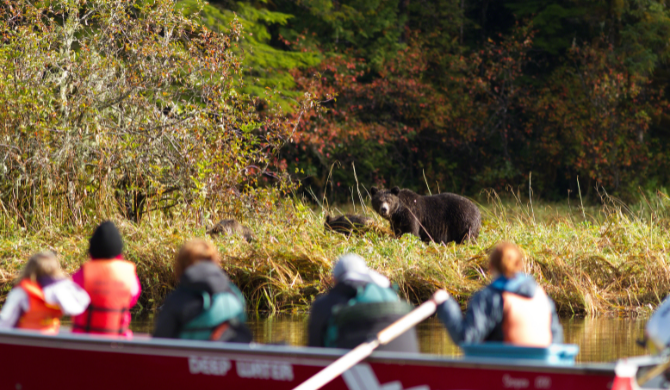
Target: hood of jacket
[(205, 276), (521, 284)]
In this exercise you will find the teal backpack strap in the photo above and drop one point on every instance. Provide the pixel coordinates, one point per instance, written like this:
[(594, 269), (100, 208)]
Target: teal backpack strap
[(330, 339), (243, 315), (206, 301)]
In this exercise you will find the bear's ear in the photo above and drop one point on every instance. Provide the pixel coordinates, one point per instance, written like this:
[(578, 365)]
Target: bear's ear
[(395, 190), (373, 191)]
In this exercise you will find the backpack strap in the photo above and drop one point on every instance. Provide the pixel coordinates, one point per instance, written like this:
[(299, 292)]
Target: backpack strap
[(206, 300)]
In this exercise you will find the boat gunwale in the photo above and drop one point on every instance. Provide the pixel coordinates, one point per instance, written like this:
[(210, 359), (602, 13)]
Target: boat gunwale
[(303, 355)]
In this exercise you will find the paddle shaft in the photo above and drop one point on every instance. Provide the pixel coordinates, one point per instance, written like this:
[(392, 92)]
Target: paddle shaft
[(364, 350), (654, 372)]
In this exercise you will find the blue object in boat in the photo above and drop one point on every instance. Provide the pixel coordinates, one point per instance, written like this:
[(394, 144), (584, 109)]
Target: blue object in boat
[(554, 354)]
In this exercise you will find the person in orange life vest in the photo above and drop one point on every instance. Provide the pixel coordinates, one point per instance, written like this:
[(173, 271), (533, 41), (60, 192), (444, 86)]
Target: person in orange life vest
[(513, 309), (110, 281), (42, 296)]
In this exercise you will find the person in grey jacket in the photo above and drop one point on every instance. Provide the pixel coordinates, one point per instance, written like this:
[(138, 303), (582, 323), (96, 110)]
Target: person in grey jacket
[(352, 275), (513, 309)]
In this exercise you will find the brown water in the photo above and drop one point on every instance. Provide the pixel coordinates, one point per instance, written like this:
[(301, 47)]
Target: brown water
[(599, 339)]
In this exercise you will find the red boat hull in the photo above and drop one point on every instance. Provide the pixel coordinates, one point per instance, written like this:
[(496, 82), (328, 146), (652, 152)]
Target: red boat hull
[(33, 361)]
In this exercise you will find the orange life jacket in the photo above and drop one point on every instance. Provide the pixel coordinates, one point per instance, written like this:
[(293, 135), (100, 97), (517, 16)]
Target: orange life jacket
[(108, 283), (527, 321), (40, 315)]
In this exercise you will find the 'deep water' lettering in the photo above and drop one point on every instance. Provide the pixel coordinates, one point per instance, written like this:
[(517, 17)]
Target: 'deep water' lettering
[(208, 365), (257, 369)]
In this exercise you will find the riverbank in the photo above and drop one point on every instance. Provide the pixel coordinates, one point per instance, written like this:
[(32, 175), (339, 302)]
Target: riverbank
[(606, 259)]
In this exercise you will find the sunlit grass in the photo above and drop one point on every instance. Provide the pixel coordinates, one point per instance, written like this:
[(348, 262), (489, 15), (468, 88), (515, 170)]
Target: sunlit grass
[(605, 259)]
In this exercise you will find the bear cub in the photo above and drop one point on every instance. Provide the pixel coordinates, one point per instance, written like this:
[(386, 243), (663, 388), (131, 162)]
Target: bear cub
[(347, 224), (441, 218), (231, 227)]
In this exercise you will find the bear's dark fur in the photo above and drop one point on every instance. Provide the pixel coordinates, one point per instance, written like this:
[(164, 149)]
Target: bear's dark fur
[(231, 227), (347, 224), (441, 218)]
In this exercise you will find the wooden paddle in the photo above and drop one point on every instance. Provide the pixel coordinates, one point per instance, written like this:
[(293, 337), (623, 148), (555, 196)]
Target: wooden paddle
[(364, 350), (654, 372)]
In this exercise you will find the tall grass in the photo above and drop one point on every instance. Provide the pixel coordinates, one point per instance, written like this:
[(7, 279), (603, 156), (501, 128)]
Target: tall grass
[(610, 258)]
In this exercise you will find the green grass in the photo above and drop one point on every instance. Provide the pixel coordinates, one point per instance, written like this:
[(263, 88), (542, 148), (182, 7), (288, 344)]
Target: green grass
[(602, 259)]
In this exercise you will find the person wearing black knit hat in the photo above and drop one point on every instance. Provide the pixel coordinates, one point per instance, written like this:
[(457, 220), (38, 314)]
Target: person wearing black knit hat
[(106, 242), (111, 282)]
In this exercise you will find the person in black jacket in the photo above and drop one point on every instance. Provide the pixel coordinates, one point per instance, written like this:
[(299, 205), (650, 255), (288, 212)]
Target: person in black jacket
[(513, 309), (352, 276), (194, 310)]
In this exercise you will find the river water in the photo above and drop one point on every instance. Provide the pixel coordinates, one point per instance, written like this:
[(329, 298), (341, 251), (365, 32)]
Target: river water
[(600, 339)]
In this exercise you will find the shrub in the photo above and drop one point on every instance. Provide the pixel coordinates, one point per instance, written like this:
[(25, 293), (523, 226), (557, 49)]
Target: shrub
[(123, 103)]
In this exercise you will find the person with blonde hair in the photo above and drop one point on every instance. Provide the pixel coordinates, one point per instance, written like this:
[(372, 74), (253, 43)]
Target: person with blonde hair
[(513, 309), (42, 296), (206, 305)]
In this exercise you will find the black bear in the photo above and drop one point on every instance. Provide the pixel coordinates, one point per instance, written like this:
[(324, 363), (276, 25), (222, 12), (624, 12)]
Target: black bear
[(231, 227), (441, 218), (347, 224)]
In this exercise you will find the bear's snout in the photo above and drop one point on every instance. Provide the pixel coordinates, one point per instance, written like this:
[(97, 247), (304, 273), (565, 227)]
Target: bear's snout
[(384, 209)]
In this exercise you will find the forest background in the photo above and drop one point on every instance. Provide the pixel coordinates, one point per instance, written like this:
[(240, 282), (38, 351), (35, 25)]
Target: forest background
[(166, 116), (470, 94)]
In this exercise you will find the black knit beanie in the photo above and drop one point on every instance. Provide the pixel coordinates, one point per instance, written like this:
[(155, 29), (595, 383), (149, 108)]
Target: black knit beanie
[(105, 242)]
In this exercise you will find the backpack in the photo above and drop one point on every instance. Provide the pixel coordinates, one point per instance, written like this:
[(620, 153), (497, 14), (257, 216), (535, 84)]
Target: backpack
[(218, 309), (372, 304)]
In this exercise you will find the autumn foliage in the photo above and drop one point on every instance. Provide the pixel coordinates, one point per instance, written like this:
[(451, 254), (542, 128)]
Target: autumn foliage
[(124, 106), (143, 105), (488, 122), (464, 96)]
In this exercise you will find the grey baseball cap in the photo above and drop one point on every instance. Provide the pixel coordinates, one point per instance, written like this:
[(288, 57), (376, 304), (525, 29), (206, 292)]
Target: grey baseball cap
[(351, 266)]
